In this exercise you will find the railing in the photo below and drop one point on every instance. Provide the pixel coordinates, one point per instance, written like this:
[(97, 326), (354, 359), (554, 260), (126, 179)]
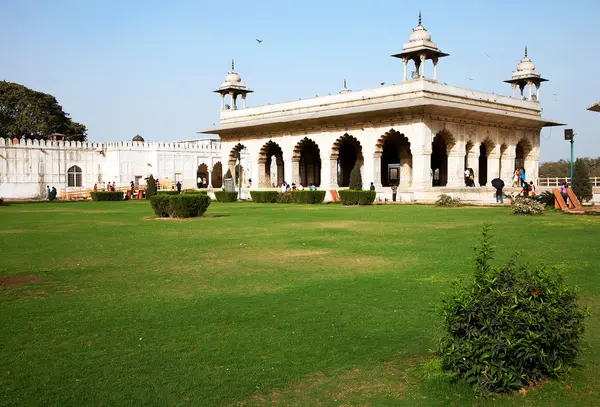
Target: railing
[(557, 181)]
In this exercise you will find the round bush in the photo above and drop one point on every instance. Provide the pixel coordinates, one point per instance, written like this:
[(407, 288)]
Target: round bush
[(527, 206), (510, 326)]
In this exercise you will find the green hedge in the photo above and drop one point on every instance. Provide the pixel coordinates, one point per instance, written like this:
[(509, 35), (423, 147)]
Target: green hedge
[(160, 205), (195, 191), (285, 197), (189, 205), (226, 196), (264, 196), (107, 196), (167, 192), (179, 206), (309, 197), (355, 197)]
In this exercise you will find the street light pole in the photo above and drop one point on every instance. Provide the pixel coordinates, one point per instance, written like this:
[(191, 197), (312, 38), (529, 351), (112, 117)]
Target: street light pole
[(239, 156), (570, 136)]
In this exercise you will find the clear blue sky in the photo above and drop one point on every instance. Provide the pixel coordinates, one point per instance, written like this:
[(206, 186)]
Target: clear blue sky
[(149, 67)]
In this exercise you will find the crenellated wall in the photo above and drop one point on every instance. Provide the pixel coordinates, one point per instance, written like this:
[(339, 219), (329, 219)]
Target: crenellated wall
[(27, 166)]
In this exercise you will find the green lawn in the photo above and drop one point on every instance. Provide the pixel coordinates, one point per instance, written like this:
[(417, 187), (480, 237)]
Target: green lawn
[(257, 304)]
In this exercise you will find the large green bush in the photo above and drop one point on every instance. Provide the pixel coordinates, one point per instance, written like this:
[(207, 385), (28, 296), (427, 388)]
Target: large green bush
[(353, 197), (355, 178), (226, 196), (285, 197), (150, 187), (527, 206), (179, 206), (264, 196), (107, 196), (167, 192), (309, 197), (581, 184), (510, 326), (160, 205), (188, 205), (195, 191)]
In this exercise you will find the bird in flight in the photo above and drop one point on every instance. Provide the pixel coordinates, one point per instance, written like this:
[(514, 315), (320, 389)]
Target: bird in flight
[(470, 79), (382, 83), (259, 41)]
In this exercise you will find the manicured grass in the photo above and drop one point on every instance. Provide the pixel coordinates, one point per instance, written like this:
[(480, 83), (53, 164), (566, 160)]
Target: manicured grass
[(257, 304)]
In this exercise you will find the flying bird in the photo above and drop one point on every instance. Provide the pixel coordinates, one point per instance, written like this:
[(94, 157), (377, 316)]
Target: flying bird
[(470, 79), (382, 83), (259, 41), (487, 55)]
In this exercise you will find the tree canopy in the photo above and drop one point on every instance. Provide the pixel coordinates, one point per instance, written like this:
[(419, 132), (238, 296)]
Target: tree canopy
[(34, 115), (561, 169)]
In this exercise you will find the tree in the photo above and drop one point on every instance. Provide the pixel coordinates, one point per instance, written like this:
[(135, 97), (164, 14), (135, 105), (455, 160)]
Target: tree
[(228, 174), (34, 115), (581, 180), (355, 178), (151, 188)]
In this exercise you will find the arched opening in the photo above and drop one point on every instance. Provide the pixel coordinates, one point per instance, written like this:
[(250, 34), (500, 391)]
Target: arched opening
[(233, 165), (347, 151), (441, 145), (217, 175), (271, 168), (485, 149), (396, 158), (309, 158), (202, 176), (74, 177), (522, 152)]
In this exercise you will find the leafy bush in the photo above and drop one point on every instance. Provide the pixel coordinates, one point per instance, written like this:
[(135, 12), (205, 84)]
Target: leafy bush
[(107, 196), (510, 326), (226, 196), (354, 197), (160, 205), (581, 181), (264, 196), (546, 198), (526, 206), (1, 201), (355, 178), (195, 191), (447, 200), (285, 197), (167, 192), (150, 187), (309, 197), (189, 205)]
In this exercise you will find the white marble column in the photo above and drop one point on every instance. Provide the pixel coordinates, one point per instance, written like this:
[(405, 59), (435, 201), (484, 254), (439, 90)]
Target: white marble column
[(435, 62), (405, 63), (295, 171), (210, 179), (530, 86), (222, 101), (423, 59), (244, 100), (507, 164), (263, 182), (421, 169), (493, 164), (329, 173), (377, 170), (368, 168), (287, 168), (456, 163)]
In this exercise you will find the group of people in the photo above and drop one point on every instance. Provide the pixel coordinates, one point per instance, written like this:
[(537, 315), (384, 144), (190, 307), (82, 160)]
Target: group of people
[(519, 178), (106, 187), (50, 193), (469, 177), (285, 187)]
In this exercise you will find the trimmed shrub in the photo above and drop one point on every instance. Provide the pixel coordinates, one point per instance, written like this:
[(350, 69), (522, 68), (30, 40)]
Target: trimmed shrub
[(308, 197), (546, 198), (285, 197), (167, 192), (160, 205), (447, 200), (509, 326), (355, 179), (150, 187), (353, 197), (226, 196), (581, 181), (189, 205), (195, 191), (264, 196), (526, 206), (107, 196)]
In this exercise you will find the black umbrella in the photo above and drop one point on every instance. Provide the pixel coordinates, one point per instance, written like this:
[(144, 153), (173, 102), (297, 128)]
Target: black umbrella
[(497, 183)]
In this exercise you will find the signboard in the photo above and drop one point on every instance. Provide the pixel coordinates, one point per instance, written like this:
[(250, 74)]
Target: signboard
[(228, 184), (568, 134)]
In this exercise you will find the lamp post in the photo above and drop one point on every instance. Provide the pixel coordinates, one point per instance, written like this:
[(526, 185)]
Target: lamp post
[(239, 157), (570, 136)]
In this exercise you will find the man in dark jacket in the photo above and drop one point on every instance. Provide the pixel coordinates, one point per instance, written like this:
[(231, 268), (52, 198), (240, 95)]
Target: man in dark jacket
[(499, 185)]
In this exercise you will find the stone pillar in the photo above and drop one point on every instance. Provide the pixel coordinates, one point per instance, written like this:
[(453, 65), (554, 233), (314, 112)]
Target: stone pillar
[(456, 162), (244, 100), (537, 91), (210, 179), (514, 89), (493, 164), (368, 167), (421, 169), (263, 182), (530, 86), (287, 168), (232, 101), (472, 162), (423, 59), (329, 173), (222, 101), (295, 170), (435, 62), (404, 62), (507, 165), (377, 170)]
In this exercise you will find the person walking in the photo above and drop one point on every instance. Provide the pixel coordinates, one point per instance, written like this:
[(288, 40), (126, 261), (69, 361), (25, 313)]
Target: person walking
[(178, 187), (563, 192), (48, 192), (523, 177), (372, 187), (394, 192), (499, 185)]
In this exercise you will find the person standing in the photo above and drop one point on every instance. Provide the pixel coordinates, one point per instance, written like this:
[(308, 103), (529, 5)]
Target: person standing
[(48, 192), (178, 187), (394, 192), (467, 173), (95, 187), (516, 177), (563, 192), (531, 189), (372, 187), (499, 185), (523, 177)]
